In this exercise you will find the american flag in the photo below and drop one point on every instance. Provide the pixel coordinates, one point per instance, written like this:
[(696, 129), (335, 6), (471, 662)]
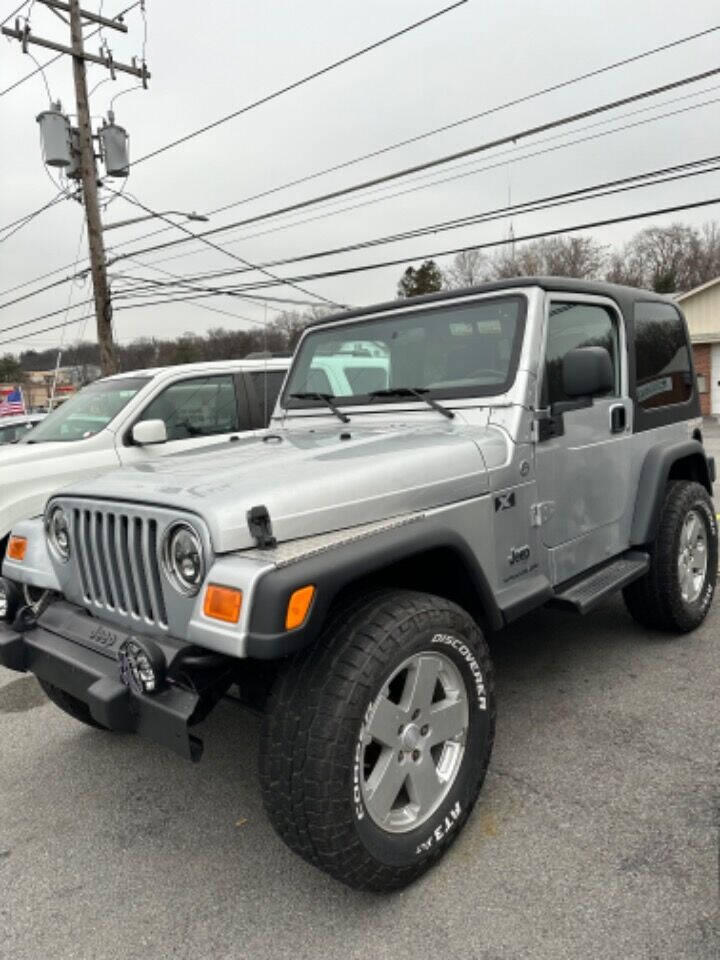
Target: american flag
[(12, 402)]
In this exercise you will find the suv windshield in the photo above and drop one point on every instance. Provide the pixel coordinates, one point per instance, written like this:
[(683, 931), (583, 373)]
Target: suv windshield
[(87, 412), (455, 350)]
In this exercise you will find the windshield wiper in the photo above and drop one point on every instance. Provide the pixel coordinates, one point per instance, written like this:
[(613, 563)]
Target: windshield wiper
[(419, 392), (327, 398)]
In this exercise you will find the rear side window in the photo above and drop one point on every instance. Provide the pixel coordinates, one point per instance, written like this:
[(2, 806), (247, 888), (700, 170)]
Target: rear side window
[(662, 358), (572, 325)]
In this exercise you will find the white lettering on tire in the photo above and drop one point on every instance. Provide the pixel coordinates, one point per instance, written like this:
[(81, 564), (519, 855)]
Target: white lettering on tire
[(441, 830), (467, 654)]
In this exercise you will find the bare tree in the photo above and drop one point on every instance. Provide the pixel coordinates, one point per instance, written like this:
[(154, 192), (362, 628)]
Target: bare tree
[(582, 257), (469, 267)]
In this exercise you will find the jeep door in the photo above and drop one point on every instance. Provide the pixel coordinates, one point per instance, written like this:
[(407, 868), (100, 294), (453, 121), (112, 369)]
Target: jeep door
[(582, 450)]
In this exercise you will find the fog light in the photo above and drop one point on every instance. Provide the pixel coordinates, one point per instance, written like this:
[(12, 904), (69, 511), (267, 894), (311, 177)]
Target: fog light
[(142, 665), (9, 600)]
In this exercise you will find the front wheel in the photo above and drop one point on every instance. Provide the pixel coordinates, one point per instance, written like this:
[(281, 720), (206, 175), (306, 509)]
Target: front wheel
[(376, 742), (676, 592)]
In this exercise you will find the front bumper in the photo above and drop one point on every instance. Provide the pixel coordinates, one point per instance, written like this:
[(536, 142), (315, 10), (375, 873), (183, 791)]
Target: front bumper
[(66, 649)]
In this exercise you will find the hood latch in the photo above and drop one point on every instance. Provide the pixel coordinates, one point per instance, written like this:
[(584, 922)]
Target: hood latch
[(260, 527)]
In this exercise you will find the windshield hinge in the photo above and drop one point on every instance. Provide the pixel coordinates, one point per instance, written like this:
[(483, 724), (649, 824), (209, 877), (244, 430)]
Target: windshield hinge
[(260, 527)]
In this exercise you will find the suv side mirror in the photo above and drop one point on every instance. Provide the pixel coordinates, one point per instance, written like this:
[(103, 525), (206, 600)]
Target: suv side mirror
[(149, 431), (587, 372)]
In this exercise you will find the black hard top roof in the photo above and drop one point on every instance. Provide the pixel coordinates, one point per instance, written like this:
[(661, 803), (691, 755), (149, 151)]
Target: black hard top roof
[(623, 296)]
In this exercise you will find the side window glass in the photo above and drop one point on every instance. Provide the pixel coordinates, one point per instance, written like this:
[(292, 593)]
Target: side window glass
[(266, 387), (662, 359), (199, 407), (572, 325)]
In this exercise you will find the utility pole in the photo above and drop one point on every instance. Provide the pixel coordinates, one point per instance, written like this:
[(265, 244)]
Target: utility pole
[(88, 174), (80, 150)]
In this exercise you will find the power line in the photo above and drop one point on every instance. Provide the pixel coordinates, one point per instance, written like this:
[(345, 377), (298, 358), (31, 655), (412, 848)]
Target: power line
[(15, 11), (346, 271), (211, 274), (23, 221), (458, 176), (301, 82), (523, 99), (441, 129), (475, 116), (227, 253), (438, 161), (611, 187), (660, 211)]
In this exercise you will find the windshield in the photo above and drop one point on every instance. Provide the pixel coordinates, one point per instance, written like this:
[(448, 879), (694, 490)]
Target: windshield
[(461, 350), (87, 412)]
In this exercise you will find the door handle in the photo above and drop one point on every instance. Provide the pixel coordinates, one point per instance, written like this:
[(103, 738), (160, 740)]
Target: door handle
[(618, 418)]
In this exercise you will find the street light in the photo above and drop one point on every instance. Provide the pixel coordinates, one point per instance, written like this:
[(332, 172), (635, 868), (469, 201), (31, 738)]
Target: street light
[(151, 216)]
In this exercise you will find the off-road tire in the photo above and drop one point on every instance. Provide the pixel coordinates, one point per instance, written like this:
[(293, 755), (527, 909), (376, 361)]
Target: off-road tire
[(314, 722), (655, 599), (71, 705)]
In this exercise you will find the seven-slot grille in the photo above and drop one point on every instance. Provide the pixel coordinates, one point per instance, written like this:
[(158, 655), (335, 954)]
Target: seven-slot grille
[(117, 562)]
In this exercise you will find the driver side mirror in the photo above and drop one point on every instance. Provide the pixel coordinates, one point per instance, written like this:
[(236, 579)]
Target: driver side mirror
[(587, 372), (147, 432)]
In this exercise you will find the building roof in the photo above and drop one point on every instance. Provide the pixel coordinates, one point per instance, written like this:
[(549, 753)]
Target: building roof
[(691, 293)]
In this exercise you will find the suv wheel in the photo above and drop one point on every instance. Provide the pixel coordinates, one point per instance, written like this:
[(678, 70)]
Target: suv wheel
[(375, 743), (71, 705), (676, 592)]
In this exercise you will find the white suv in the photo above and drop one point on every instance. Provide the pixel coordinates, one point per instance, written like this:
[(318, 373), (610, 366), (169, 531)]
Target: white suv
[(130, 418)]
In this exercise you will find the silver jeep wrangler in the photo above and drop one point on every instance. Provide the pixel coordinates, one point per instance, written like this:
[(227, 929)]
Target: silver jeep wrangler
[(527, 442)]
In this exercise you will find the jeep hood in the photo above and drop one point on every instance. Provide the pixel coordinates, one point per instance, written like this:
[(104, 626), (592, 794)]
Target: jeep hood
[(312, 481)]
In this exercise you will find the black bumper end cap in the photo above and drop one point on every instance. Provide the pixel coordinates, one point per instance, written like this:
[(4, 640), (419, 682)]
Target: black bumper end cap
[(12, 649), (109, 703)]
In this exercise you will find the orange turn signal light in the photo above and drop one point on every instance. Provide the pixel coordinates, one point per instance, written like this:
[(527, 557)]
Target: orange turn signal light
[(17, 548), (222, 603), (298, 607)]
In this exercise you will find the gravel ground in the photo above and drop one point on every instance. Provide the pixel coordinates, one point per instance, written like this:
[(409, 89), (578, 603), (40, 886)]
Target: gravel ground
[(596, 835)]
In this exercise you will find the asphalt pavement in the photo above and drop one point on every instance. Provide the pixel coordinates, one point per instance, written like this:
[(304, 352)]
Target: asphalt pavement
[(596, 835)]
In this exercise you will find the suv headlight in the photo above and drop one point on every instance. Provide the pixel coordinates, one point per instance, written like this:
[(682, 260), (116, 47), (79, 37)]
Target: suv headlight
[(183, 558), (57, 530)]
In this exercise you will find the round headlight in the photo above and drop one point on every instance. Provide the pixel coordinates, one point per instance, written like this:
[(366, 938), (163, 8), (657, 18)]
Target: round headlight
[(183, 558), (58, 533)]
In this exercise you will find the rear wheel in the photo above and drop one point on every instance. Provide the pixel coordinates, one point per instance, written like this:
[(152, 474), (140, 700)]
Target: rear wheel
[(71, 705), (676, 592), (376, 742)]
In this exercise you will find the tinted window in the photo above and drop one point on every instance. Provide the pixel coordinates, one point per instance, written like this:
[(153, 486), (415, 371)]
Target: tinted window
[(572, 325), (266, 387), (451, 351), (199, 407), (662, 357)]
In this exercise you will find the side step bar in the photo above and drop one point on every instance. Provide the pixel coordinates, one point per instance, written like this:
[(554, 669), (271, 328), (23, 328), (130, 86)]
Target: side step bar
[(584, 594)]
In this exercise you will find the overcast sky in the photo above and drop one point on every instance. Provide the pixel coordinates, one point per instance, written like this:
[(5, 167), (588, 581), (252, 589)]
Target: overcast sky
[(208, 59)]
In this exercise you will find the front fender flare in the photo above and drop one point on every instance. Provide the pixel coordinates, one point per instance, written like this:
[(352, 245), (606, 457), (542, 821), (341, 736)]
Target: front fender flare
[(337, 568)]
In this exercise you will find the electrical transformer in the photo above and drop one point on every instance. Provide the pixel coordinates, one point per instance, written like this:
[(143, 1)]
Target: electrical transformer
[(55, 136), (114, 146)]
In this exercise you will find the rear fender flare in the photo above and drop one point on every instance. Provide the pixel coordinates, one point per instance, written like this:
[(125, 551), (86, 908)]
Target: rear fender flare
[(685, 460)]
